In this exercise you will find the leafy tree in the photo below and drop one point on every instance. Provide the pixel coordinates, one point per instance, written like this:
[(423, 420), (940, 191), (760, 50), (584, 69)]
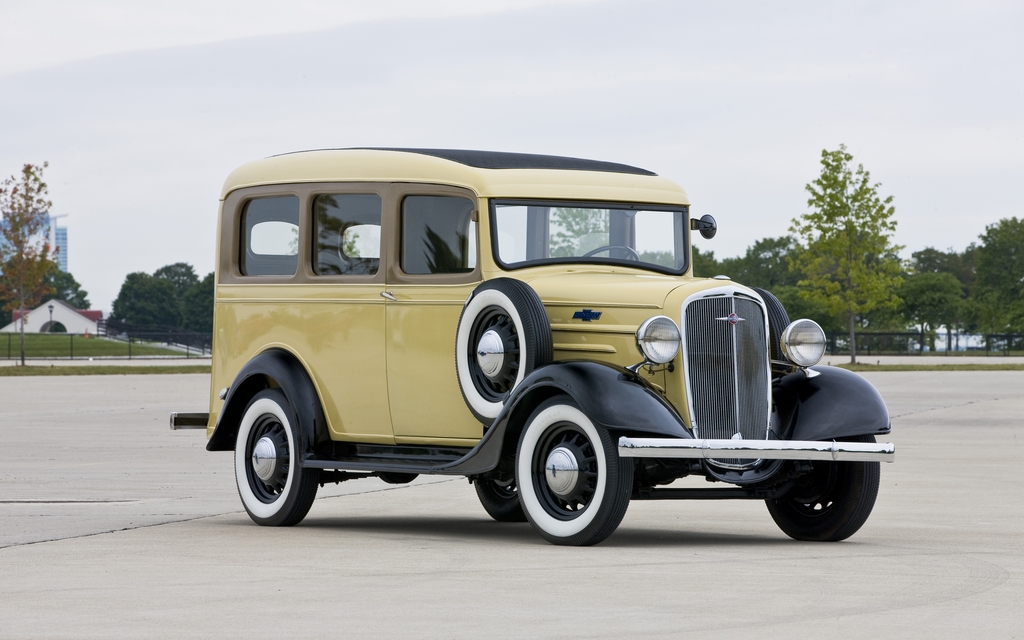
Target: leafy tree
[(181, 275), (63, 286), (960, 265), (24, 252), (576, 231), (146, 300), (849, 262), (765, 264), (197, 306), (932, 299), (999, 288), (704, 263)]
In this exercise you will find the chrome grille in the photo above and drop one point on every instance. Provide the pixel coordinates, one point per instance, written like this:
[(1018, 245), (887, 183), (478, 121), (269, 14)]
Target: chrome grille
[(727, 369)]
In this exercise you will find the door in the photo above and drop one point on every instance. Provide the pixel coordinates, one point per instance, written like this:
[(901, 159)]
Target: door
[(435, 271)]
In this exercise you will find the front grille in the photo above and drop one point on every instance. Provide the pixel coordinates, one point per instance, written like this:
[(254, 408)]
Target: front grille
[(727, 370)]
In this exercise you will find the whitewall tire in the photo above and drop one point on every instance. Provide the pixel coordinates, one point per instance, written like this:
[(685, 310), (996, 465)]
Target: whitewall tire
[(572, 484), (274, 487), (503, 335)]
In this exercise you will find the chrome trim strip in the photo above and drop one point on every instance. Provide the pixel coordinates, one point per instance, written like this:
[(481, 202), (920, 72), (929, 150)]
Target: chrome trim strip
[(756, 449), (189, 420)]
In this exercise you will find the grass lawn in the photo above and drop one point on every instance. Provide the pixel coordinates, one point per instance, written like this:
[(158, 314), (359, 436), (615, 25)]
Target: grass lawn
[(60, 345), (101, 370)]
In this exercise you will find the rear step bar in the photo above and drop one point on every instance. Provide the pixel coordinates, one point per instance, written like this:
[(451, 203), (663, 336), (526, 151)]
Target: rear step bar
[(189, 421), (756, 449)]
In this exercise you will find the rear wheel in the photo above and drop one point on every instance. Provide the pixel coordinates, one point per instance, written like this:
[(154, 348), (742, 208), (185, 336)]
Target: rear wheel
[(500, 499), (275, 489), (572, 484), (831, 503)]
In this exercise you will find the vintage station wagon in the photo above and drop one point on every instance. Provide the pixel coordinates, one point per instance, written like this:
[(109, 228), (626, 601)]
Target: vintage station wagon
[(530, 322)]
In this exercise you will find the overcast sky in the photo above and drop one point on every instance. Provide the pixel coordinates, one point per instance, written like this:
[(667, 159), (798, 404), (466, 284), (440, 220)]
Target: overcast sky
[(143, 108)]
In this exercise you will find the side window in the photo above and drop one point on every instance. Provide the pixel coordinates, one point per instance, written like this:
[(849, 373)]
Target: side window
[(270, 238), (438, 235), (347, 238)]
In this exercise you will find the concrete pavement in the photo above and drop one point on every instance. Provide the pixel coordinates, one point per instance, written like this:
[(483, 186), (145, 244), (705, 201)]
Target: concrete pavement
[(114, 526)]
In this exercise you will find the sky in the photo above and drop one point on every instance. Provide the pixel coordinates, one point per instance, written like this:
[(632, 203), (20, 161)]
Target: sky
[(142, 109)]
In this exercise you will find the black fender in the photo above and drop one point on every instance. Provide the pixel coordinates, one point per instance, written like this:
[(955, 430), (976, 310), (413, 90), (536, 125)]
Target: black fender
[(834, 404), (610, 396), (272, 368)]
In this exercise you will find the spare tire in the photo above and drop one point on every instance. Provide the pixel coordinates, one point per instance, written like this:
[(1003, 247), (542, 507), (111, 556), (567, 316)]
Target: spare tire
[(778, 320), (503, 335)]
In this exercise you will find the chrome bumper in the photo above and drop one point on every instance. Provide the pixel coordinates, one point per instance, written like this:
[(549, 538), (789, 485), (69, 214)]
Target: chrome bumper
[(756, 449)]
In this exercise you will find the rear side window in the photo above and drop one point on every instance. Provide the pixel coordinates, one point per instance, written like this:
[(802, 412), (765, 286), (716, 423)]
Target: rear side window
[(270, 244), (347, 234), (438, 235)]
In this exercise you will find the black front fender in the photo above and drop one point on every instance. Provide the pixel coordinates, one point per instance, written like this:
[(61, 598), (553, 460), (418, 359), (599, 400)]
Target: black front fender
[(610, 396), (272, 368), (834, 404)]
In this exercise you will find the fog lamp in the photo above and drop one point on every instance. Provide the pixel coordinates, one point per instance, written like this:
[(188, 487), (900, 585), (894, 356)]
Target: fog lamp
[(658, 339), (803, 342)]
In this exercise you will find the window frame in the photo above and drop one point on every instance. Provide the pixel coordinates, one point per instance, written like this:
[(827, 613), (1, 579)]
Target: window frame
[(493, 204), (395, 273), (391, 194)]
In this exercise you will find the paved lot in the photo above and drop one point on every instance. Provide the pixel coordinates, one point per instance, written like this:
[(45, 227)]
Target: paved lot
[(114, 526)]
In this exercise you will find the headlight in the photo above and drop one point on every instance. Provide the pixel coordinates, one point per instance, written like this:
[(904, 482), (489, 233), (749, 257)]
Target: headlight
[(658, 339), (803, 342)]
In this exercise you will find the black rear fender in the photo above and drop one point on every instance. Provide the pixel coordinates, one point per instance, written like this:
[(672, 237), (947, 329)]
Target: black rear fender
[(274, 368)]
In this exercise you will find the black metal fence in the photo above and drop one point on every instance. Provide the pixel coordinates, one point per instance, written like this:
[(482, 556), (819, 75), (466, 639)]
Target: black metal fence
[(123, 342), (917, 343)]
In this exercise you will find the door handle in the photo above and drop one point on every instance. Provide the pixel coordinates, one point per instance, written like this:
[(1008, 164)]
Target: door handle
[(387, 295)]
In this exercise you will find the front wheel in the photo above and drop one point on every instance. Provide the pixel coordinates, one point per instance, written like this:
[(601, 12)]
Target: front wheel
[(275, 489), (572, 484), (830, 503)]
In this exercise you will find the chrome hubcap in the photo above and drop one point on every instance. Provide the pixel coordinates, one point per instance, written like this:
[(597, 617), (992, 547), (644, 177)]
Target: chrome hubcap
[(561, 471), (264, 458), (490, 354)]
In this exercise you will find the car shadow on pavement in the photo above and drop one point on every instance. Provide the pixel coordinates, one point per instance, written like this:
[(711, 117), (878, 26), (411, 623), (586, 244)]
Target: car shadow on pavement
[(488, 530)]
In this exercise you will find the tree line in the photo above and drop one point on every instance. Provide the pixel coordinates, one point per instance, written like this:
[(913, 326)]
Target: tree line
[(839, 266), (172, 297)]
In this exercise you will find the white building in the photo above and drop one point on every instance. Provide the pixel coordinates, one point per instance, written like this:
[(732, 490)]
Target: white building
[(48, 314)]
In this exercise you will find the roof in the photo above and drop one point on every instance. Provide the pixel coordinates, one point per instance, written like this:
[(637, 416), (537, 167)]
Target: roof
[(488, 173), (506, 160), (91, 314)]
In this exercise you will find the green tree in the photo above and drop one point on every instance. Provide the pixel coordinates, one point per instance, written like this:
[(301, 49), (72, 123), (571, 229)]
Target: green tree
[(181, 275), (63, 286), (999, 287), (576, 231), (197, 306), (766, 264), (933, 299), (24, 253), (146, 300), (704, 263), (849, 261)]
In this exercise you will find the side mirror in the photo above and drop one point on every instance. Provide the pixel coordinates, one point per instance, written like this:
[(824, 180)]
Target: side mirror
[(706, 225)]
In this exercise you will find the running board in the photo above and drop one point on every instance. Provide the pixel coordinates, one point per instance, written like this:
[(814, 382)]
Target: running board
[(756, 449)]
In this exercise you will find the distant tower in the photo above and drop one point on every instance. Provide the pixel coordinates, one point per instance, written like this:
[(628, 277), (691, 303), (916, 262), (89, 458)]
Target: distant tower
[(59, 241)]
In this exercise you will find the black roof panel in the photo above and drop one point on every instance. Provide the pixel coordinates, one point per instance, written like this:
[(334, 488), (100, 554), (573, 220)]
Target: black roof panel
[(502, 160)]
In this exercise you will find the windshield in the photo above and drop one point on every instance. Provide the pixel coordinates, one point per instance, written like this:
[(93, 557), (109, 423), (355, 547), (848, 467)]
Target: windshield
[(645, 236)]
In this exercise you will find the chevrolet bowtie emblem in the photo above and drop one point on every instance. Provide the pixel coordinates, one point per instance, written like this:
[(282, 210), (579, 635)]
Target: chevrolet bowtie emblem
[(732, 319), (586, 315)]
